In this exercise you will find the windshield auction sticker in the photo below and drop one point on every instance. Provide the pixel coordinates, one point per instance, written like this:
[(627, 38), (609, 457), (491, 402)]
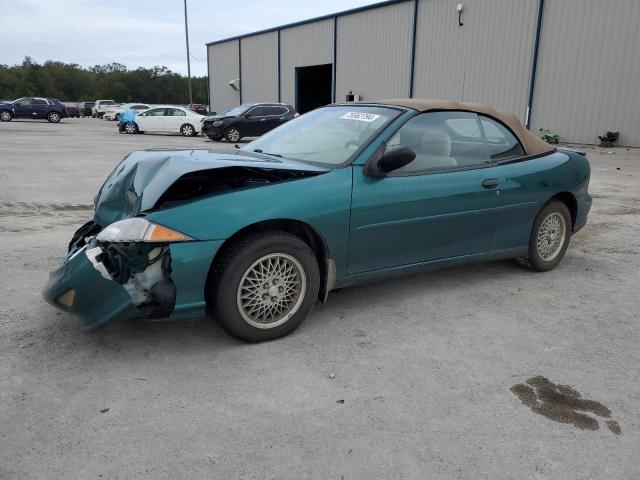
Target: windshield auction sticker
[(361, 116)]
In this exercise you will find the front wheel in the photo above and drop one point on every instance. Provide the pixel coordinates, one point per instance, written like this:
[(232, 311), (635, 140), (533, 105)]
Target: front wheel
[(5, 116), (549, 237), (232, 134), (131, 128), (187, 130), (263, 286), (53, 117)]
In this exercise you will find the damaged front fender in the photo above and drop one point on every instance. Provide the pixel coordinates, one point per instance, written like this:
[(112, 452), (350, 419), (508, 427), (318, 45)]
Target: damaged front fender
[(112, 282)]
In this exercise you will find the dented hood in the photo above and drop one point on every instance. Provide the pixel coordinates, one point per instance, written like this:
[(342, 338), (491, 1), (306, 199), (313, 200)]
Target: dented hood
[(138, 182)]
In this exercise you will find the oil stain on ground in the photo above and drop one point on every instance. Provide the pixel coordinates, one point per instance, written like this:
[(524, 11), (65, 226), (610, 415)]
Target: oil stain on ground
[(563, 404)]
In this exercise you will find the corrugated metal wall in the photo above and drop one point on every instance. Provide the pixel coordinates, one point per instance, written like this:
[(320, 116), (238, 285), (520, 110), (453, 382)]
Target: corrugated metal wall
[(374, 52), (488, 60), (260, 68), (588, 78), (301, 46), (223, 67), (588, 65)]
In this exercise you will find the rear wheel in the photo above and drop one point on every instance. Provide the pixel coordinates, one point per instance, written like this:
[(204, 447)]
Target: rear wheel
[(53, 117), (263, 286), (232, 134), (187, 130), (549, 238), (5, 116)]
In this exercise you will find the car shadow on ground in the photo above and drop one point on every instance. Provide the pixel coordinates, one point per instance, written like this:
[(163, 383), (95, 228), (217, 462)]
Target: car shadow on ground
[(128, 337)]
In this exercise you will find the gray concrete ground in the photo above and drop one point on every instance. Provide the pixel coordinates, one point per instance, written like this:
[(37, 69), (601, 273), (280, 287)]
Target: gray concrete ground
[(423, 365)]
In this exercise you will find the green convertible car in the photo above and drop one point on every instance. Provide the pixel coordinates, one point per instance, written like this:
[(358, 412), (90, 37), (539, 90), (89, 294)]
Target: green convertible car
[(344, 194)]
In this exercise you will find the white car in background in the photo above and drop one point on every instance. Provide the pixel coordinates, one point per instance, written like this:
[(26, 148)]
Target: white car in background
[(113, 113), (167, 118), (100, 106)]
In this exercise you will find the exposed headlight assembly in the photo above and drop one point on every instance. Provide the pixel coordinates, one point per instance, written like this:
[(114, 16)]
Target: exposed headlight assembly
[(217, 123), (140, 230)]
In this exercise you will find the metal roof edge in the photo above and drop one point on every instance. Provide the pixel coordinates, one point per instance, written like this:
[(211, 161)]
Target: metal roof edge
[(364, 8)]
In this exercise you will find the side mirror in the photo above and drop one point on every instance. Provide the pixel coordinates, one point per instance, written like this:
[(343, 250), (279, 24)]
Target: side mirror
[(384, 161)]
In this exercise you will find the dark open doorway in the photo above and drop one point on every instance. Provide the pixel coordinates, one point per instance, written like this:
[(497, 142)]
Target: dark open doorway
[(313, 87)]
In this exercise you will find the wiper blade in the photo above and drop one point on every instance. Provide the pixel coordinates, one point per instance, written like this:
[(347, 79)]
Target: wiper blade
[(257, 150)]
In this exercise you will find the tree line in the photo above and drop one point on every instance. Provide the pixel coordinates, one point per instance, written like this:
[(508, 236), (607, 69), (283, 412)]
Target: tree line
[(72, 83)]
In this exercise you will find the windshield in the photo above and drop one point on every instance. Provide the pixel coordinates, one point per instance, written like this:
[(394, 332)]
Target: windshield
[(108, 102), (328, 136), (237, 111)]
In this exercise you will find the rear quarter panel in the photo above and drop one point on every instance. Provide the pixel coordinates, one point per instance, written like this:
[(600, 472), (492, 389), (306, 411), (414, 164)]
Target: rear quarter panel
[(526, 186)]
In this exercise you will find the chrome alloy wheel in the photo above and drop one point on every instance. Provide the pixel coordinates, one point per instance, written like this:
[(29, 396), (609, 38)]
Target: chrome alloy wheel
[(271, 290), (187, 130), (233, 135), (54, 117), (5, 116), (130, 128), (551, 236)]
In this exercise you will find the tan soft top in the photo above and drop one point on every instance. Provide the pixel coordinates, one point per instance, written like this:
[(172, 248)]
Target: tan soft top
[(532, 144)]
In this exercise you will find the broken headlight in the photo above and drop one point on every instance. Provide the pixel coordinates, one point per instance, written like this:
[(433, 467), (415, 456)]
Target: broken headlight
[(140, 230), (217, 123)]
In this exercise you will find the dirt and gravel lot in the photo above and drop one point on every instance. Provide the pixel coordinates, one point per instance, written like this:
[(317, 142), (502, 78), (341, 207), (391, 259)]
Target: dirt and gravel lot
[(424, 365)]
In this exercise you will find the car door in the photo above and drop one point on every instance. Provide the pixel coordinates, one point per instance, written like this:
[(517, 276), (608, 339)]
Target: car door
[(251, 124), (278, 116), (442, 205), (22, 108), (151, 120), (524, 185), (175, 118), (40, 108)]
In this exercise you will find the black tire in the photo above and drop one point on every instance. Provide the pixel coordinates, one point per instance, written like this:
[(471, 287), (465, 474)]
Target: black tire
[(53, 117), (117, 117), (228, 272), (188, 130), (232, 134), (537, 261), (5, 116)]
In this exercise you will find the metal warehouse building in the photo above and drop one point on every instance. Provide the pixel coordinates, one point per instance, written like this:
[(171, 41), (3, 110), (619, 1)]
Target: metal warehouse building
[(572, 66)]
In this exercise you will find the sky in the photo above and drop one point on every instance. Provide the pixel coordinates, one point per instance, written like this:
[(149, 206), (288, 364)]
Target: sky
[(141, 33)]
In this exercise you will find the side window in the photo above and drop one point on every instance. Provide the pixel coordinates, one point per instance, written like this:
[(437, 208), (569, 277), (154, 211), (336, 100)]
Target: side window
[(501, 143), (156, 112), (258, 111), (275, 111), (175, 112), (39, 101), (442, 141)]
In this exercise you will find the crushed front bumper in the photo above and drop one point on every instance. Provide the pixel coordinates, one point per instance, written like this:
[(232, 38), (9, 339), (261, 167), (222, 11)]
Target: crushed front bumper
[(79, 288)]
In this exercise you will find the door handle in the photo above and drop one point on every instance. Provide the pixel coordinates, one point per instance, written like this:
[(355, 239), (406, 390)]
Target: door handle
[(490, 183), (263, 119)]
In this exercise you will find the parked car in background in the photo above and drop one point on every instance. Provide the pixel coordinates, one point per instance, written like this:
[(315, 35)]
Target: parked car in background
[(84, 108), (345, 194), (33, 107), (247, 120), (72, 109), (201, 109), (164, 118), (100, 106), (113, 113)]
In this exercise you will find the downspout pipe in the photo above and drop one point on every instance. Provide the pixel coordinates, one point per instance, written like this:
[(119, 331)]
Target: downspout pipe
[(534, 62), (413, 47)]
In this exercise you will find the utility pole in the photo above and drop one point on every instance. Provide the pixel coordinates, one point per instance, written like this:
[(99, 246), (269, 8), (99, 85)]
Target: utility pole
[(186, 31)]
